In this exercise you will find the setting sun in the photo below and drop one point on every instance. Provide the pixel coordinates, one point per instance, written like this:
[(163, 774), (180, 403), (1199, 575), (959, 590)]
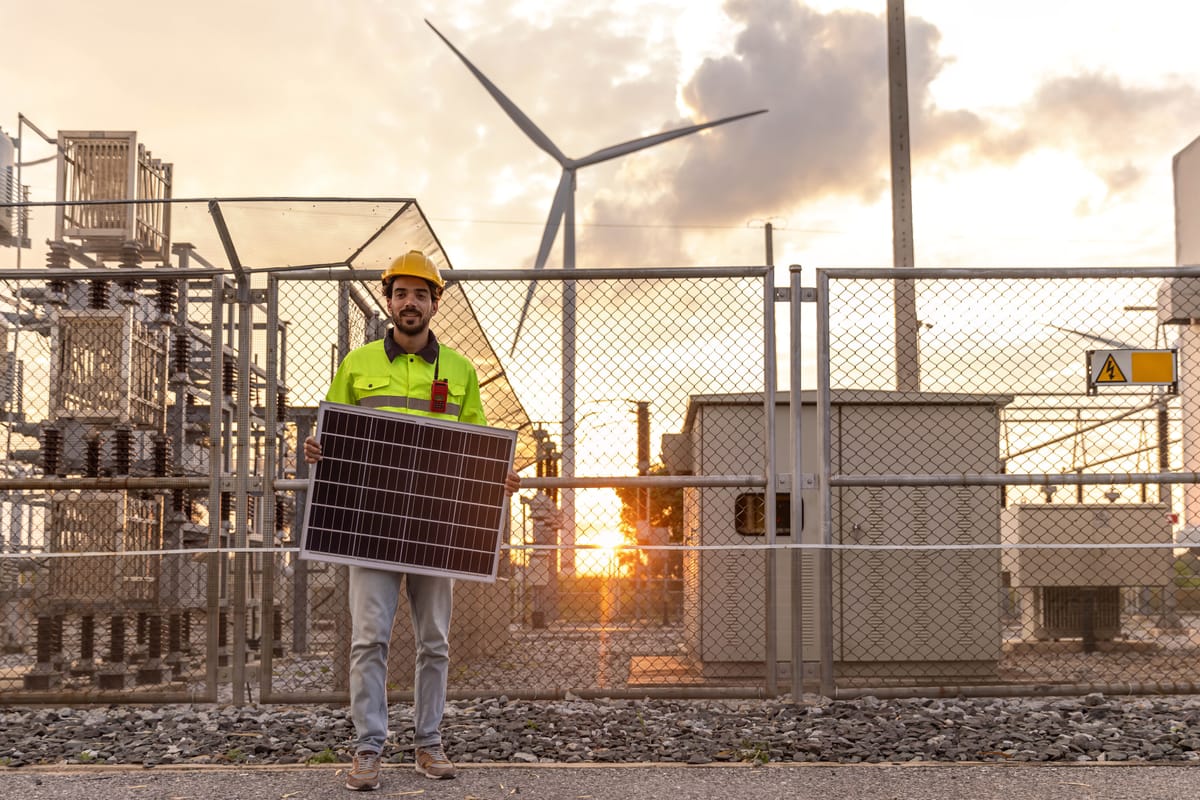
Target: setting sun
[(608, 539), (598, 550)]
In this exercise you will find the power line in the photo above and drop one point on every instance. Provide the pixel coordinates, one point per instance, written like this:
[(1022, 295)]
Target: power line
[(662, 226), (981, 237)]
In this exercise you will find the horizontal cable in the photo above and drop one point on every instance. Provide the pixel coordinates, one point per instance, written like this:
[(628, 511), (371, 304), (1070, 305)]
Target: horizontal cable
[(645, 548), (551, 275), (1030, 479), (1004, 273)]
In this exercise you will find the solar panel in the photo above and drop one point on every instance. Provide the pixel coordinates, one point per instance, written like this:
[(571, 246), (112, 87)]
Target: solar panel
[(407, 493)]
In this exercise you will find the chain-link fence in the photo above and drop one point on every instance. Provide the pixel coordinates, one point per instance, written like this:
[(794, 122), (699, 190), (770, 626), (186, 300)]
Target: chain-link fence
[(977, 507), (1008, 515), (108, 564), (591, 593), (153, 490)]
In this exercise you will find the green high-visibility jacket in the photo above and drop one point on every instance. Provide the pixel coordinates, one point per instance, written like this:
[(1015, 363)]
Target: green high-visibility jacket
[(380, 375)]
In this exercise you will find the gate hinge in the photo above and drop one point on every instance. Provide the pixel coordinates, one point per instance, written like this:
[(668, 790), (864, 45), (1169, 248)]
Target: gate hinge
[(783, 294), (783, 481), (254, 484)]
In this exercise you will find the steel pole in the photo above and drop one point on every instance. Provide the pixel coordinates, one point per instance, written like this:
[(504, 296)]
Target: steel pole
[(825, 511), (771, 654), (567, 558), (796, 559), (908, 368)]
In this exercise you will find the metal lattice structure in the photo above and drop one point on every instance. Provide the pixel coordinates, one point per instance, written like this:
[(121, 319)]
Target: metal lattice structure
[(112, 165), (110, 368), (100, 524)]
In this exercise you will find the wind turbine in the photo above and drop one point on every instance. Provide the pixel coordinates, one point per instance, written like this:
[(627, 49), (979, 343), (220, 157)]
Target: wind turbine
[(563, 208), (563, 204)]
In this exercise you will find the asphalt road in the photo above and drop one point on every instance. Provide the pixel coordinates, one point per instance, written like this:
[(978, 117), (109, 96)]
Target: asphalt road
[(623, 782)]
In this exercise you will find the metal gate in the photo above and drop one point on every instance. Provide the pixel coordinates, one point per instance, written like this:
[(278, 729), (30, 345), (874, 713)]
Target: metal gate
[(597, 589), (1010, 522)]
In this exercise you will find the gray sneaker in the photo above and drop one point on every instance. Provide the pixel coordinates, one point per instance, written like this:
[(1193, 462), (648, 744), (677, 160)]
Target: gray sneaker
[(364, 772), (432, 762)]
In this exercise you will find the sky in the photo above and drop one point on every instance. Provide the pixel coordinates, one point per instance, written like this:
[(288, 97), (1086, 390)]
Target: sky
[(1042, 133)]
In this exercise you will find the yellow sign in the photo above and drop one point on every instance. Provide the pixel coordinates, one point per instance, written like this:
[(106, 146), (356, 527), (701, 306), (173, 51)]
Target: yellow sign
[(1110, 372), (1132, 368), (1157, 366)]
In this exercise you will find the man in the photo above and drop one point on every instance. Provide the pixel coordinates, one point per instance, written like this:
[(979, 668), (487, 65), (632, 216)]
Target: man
[(410, 372)]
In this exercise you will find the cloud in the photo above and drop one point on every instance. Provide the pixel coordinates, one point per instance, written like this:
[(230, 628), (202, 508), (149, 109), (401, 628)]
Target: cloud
[(596, 83), (1113, 128), (823, 78)]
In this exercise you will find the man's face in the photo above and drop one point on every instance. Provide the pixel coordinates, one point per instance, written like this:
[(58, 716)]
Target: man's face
[(411, 305)]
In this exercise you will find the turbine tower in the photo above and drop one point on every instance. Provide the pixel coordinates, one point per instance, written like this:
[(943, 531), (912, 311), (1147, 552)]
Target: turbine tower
[(563, 208)]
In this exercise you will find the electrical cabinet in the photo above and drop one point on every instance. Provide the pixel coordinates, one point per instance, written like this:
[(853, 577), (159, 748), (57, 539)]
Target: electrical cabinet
[(923, 613)]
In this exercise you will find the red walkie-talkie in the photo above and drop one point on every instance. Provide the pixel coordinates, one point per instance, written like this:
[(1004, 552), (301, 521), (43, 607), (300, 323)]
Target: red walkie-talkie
[(438, 393)]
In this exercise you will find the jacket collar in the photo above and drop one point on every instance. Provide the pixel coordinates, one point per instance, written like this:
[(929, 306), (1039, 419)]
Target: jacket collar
[(429, 352)]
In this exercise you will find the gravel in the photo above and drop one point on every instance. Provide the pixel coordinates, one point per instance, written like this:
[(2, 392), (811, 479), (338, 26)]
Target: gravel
[(1093, 728)]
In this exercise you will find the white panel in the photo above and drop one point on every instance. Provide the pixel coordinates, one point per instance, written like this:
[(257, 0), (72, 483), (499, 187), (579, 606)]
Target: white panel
[(724, 442), (733, 615), (1186, 169), (917, 605), (1077, 524), (8, 185)]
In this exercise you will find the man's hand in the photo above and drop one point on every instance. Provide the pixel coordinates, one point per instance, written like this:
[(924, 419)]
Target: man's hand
[(312, 450), (511, 484)]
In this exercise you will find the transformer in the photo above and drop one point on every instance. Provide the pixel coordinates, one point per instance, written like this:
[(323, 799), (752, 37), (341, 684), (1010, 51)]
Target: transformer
[(103, 522), (111, 165)]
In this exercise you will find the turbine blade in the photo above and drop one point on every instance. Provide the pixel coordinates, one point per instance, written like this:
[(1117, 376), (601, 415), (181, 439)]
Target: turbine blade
[(1094, 337), (521, 322), (515, 114), (562, 196), (658, 138)]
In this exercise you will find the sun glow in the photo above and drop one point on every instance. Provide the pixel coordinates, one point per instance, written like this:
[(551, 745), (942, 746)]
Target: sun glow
[(598, 550), (608, 539)]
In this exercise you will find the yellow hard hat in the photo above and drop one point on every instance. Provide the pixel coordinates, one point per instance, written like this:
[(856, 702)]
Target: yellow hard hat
[(416, 264)]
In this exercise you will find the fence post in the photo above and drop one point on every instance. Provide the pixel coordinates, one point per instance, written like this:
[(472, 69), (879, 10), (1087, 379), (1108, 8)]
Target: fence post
[(770, 379), (216, 464), (266, 510), (796, 519), (241, 477), (825, 509)]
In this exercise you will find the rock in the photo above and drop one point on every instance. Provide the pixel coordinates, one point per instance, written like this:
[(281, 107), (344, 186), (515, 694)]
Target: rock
[(573, 730)]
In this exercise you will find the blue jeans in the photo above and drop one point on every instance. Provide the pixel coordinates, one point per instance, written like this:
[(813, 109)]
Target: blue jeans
[(374, 595)]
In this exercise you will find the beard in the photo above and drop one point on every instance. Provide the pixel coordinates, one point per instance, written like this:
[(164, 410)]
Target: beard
[(411, 325)]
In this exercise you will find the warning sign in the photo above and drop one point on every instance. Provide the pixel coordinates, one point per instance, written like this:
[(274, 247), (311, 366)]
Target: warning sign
[(1108, 368), (1111, 372)]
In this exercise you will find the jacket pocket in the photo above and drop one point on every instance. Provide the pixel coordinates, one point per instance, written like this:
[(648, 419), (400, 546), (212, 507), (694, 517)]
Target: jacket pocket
[(371, 384)]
